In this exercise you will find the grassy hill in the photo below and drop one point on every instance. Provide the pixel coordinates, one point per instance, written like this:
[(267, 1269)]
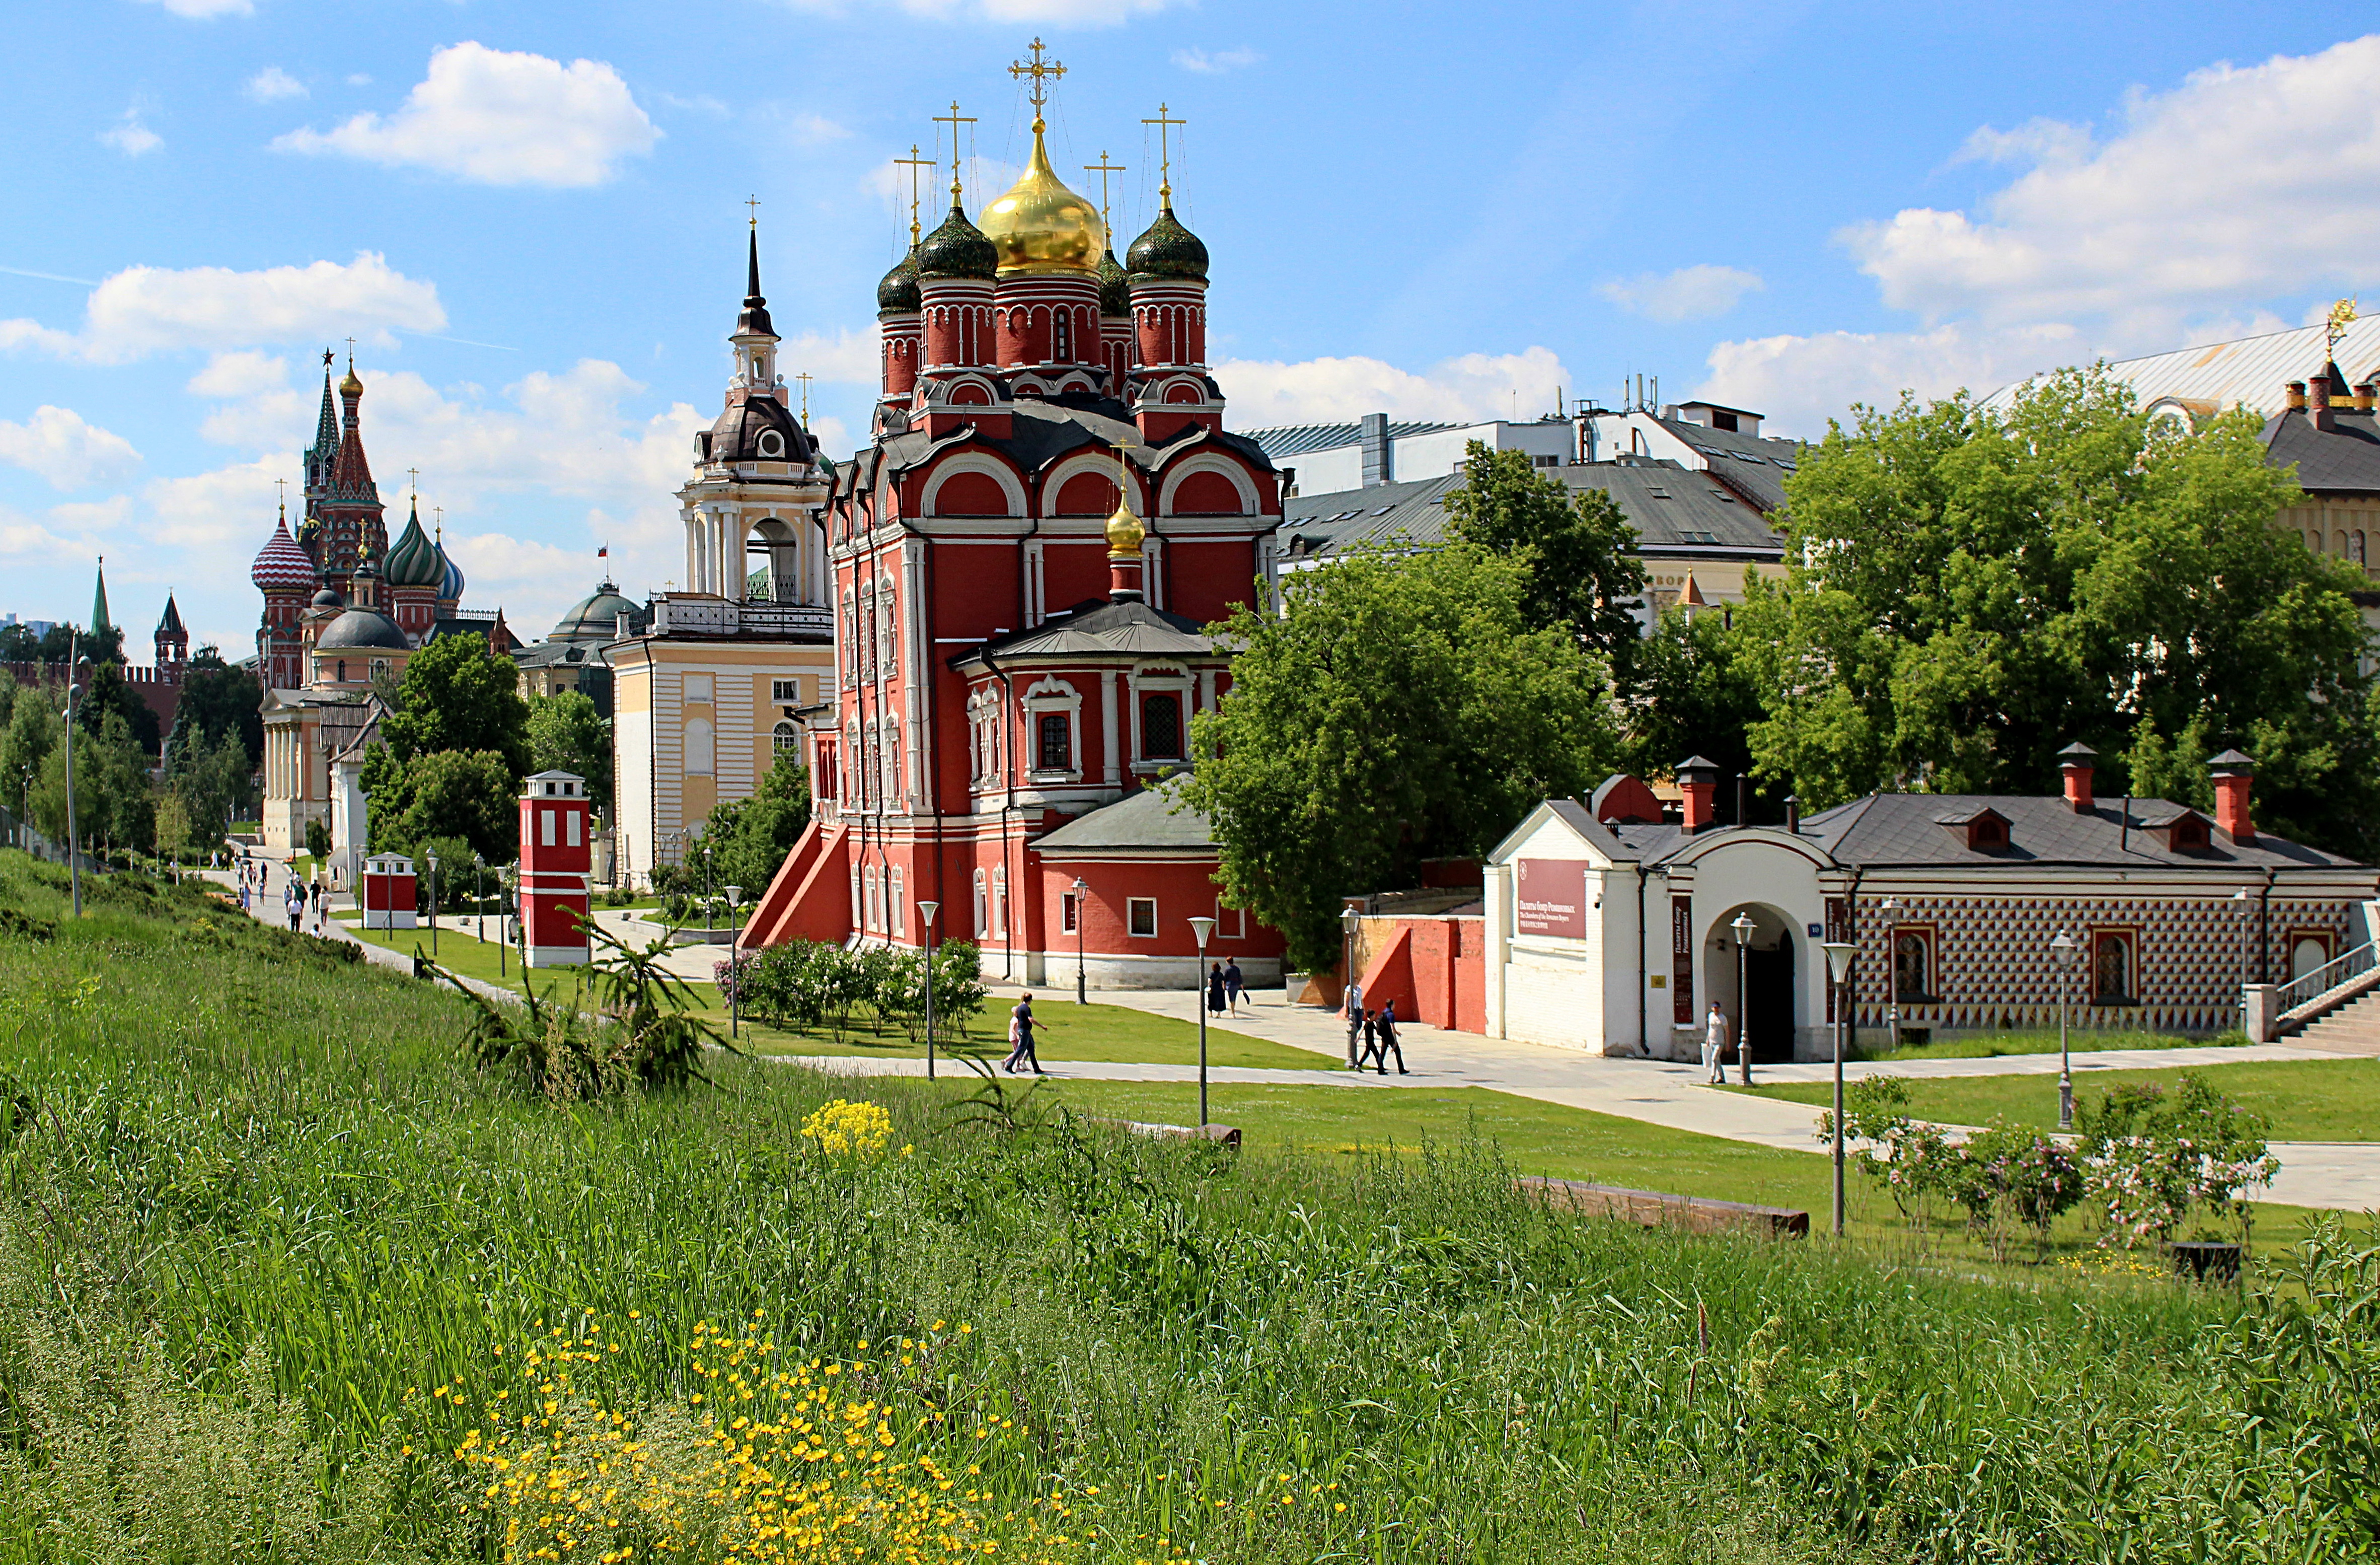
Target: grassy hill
[(271, 1253)]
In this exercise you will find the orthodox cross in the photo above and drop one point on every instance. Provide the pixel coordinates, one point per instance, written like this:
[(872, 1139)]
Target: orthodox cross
[(955, 120), (1042, 75), (351, 342), (754, 203), (415, 474), (2342, 315), (804, 377), (1104, 168), (440, 512), (283, 484), (913, 163), (1164, 151)]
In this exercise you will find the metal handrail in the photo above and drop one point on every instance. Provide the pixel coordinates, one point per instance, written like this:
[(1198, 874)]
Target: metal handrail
[(2309, 990)]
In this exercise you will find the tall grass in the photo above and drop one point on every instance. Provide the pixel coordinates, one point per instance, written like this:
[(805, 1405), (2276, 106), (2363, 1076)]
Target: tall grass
[(270, 1168)]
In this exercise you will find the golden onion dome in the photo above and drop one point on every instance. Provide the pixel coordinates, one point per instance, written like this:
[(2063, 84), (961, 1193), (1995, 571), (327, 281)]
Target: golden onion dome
[(350, 385), (1040, 226), (1124, 533)]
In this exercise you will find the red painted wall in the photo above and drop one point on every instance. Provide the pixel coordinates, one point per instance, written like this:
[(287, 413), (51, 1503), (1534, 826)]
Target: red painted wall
[(1435, 969)]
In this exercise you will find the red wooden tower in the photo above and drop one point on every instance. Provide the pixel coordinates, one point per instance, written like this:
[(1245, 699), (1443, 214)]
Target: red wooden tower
[(554, 848)]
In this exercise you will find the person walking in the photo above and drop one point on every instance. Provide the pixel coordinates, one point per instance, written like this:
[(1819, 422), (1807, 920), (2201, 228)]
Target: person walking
[(1233, 986), (1715, 1034), (1020, 1039), (294, 900), (1215, 988), (1354, 1022), (1371, 1040), (1386, 1027)]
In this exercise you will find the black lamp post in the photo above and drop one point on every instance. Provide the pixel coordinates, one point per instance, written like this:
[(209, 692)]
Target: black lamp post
[(927, 911), (1742, 930), (2061, 952), (1839, 962), (735, 953), (1201, 928), (1349, 922), (1890, 911), (433, 905), (1082, 912), (74, 860)]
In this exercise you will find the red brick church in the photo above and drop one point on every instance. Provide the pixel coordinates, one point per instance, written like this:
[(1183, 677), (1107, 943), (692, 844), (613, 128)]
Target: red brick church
[(1024, 561)]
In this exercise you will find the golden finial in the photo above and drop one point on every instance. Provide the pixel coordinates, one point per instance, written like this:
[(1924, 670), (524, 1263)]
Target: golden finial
[(1164, 154), (955, 120), (913, 163), (2342, 315), (1042, 75), (1104, 168), (1125, 531), (805, 378), (754, 203)]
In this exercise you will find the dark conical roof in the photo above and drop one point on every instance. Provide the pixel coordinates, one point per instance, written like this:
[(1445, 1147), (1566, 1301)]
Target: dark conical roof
[(1167, 251), (898, 292), (1116, 286), (958, 248), (754, 321), (171, 625)]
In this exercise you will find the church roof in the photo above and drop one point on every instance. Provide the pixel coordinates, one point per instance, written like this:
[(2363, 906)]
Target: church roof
[(958, 248), (1099, 627), (170, 624), (2342, 458), (363, 628), (1167, 251), (281, 565), (1151, 820), (738, 434), (415, 560)]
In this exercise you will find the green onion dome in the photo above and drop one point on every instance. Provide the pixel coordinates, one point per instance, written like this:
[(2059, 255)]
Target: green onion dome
[(897, 294), (1167, 252), (958, 248), (415, 562)]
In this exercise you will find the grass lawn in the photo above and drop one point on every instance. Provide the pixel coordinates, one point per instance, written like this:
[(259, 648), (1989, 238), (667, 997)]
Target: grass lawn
[(471, 956), (2302, 1100), (1117, 1034), (1876, 1044)]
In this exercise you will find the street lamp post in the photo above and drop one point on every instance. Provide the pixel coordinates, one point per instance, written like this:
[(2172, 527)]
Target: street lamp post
[(1349, 922), (1201, 928), (735, 972), (2061, 952), (1742, 928), (433, 907), (2240, 900), (927, 911), (504, 940), (74, 860), (1890, 911), (1082, 889), (1839, 962), (480, 893), (706, 926)]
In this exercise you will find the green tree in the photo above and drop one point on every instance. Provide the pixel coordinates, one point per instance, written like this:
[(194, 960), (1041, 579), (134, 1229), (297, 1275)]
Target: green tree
[(108, 695), (1576, 546), (216, 780), (217, 700), (749, 838), (1966, 592), (112, 801), (566, 734), (1694, 691), (456, 695), (469, 795), (1390, 710)]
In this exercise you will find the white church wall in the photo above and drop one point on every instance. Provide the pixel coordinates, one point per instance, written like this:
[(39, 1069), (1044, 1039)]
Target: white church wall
[(1758, 868), (1551, 987)]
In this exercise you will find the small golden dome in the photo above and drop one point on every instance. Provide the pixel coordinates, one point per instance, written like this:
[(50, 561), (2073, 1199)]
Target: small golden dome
[(351, 386), (1124, 533), (1040, 226)]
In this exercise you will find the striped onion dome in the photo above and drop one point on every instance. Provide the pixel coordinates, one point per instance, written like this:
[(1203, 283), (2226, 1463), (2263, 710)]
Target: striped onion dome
[(281, 565)]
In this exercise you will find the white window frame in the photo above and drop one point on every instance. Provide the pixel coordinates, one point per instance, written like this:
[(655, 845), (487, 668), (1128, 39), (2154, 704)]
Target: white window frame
[(1051, 697), (785, 691), (1132, 906)]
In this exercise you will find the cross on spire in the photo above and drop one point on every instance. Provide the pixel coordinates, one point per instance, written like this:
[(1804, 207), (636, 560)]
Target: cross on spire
[(913, 163), (415, 474), (1164, 152), (283, 484), (754, 203), (1042, 76), (1104, 168), (804, 377), (351, 342), (955, 120)]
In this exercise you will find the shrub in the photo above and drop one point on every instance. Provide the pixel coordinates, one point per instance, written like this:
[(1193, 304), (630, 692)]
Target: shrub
[(845, 1128), (2155, 1157), (2008, 1176)]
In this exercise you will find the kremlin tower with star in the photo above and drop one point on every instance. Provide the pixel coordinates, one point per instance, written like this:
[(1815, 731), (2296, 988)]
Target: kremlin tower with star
[(1024, 563)]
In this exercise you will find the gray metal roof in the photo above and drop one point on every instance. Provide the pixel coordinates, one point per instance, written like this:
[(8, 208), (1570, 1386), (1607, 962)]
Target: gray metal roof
[(2344, 458), (1295, 440), (1678, 514), (2251, 371), (1753, 464), (1099, 629), (1152, 820), (1906, 828)]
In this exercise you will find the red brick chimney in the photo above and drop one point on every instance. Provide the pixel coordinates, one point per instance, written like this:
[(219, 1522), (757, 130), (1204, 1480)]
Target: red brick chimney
[(2075, 762), (2363, 396), (2318, 401), (1699, 779), (2233, 774)]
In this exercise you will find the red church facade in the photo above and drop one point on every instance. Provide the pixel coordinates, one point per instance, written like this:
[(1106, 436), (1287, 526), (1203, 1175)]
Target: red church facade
[(1024, 561)]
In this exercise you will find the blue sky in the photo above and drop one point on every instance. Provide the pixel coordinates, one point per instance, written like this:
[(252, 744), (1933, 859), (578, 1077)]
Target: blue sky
[(529, 216)]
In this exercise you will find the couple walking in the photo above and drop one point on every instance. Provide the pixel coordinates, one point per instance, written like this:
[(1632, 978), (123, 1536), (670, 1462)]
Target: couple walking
[(1224, 987), (1377, 1031), (1021, 1022)]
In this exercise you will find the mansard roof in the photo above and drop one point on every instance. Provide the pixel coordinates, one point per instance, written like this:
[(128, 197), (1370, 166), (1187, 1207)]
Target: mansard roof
[(1150, 819)]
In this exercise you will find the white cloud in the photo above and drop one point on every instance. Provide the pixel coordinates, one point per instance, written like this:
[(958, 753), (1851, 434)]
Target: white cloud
[(847, 355), (701, 102), (57, 445), (1476, 385), (815, 131), (221, 510), (1216, 63), (146, 310), (204, 10), (240, 374), (500, 119), (1077, 12), (1801, 382), (271, 84), (1689, 293), (130, 137), (359, 79), (2243, 182)]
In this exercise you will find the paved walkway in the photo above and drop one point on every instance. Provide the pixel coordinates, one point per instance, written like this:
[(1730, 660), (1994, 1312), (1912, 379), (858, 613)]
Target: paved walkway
[(2342, 1175)]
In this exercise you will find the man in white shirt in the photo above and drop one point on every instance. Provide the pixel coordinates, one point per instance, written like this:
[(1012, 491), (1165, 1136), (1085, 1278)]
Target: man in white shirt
[(1715, 1044), (1354, 1011)]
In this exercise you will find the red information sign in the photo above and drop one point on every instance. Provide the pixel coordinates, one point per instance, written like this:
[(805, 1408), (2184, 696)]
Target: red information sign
[(1552, 895)]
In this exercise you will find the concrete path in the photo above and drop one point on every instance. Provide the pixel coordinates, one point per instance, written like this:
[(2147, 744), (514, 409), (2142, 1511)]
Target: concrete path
[(2340, 1175)]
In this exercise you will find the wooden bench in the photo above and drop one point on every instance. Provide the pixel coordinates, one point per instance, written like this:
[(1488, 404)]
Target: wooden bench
[(1655, 1209)]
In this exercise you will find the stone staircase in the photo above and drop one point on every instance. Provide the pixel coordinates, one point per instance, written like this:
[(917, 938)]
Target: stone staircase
[(2353, 1027)]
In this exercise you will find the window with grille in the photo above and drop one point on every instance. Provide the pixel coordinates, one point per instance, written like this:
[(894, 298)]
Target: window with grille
[(1057, 744), (1161, 728), (786, 738), (2112, 970), (1070, 915)]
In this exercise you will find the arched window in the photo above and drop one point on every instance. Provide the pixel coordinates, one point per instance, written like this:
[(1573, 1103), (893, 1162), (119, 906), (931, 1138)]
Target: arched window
[(999, 901), (900, 909), (2113, 974), (1161, 728), (783, 737), (700, 758), (1912, 966), (982, 906)]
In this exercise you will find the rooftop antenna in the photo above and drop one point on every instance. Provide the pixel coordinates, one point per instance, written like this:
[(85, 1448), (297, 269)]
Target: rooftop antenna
[(1164, 154), (913, 163), (955, 120)]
